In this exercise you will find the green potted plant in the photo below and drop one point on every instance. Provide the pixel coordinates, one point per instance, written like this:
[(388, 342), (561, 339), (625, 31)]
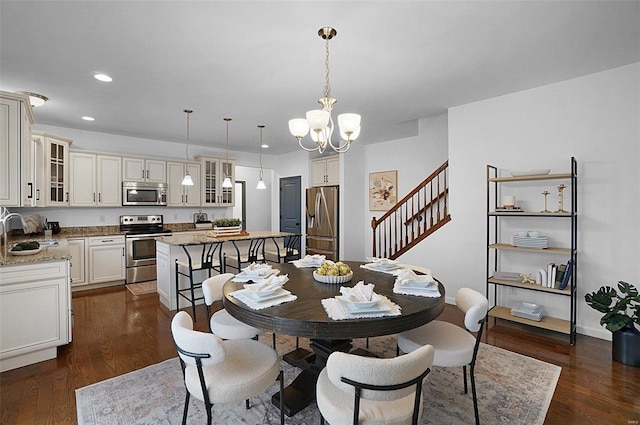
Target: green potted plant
[(227, 226), (621, 311)]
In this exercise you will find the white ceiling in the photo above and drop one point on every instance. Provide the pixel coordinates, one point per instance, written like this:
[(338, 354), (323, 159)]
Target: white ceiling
[(261, 62)]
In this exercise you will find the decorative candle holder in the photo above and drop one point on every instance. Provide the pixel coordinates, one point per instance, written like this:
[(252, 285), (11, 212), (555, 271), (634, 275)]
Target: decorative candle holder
[(560, 199), (545, 210)]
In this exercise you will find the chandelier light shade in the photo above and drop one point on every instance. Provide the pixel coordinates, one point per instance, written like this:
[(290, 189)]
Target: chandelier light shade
[(226, 183), (261, 184), (319, 123), (187, 181)]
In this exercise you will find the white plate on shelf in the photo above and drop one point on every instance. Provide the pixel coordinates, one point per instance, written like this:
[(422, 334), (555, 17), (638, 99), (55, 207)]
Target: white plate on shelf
[(348, 308), (541, 172)]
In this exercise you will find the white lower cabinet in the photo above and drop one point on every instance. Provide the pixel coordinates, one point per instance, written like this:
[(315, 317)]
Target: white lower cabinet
[(77, 247), (106, 259), (35, 312)]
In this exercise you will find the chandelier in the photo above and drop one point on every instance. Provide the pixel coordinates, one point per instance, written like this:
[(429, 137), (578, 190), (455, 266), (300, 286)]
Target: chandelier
[(319, 122), (187, 181), (261, 184)]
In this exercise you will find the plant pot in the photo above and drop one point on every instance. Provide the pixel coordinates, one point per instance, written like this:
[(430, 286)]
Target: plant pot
[(626, 345)]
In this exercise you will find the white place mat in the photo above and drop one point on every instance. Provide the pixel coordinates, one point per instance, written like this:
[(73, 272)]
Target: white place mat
[(241, 295), (335, 312)]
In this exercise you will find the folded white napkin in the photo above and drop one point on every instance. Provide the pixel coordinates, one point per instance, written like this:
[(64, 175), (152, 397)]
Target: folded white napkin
[(271, 283), (407, 277), (359, 293), (381, 261), (310, 261), (257, 269)]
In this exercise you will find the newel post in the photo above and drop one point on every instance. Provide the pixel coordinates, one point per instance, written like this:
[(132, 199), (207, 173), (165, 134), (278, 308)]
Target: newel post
[(374, 225)]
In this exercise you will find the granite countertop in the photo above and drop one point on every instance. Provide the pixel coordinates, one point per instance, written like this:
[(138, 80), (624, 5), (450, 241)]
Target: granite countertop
[(179, 240), (48, 252)]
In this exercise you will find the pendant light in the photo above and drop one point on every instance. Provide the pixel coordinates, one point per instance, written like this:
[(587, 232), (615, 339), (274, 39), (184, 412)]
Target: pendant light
[(226, 183), (187, 181), (261, 184)]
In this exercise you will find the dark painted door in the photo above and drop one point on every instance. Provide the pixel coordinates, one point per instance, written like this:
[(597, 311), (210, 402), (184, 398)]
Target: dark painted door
[(290, 204)]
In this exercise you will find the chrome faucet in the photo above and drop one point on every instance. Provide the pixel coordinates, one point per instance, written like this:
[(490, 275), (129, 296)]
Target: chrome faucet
[(5, 216)]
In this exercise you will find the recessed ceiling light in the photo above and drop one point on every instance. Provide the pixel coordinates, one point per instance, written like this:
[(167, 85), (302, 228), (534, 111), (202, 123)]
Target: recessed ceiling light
[(103, 77), (35, 99), (264, 146), (86, 118)]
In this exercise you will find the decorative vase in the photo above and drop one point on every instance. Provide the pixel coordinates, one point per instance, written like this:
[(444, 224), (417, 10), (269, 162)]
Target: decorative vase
[(626, 345)]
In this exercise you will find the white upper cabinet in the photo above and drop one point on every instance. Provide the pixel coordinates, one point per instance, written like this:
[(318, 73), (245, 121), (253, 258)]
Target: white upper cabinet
[(52, 169), (15, 134), (177, 194), (144, 170), (325, 171), (95, 180), (214, 171)]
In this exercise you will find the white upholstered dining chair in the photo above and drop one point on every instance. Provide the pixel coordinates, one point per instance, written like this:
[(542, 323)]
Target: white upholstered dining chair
[(454, 346), (219, 371), (221, 322), (367, 390)]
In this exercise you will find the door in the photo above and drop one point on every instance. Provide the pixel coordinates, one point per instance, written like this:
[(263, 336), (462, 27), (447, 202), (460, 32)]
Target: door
[(291, 205)]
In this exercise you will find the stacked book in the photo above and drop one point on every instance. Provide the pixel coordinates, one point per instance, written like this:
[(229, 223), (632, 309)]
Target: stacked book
[(540, 242)]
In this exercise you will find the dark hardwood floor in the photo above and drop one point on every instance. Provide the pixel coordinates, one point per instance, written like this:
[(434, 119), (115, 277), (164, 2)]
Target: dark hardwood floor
[(116, 332)]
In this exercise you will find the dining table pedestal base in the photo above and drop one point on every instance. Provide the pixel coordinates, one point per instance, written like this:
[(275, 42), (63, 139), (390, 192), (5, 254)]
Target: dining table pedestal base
[(302, 391)]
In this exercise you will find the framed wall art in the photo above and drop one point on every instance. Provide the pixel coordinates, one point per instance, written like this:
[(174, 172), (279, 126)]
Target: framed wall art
[(383, 190)]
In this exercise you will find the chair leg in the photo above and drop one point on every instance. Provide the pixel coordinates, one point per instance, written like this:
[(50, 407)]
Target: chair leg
[(475, 397), (186, 408), (464, 376), (321, 419), (281, 379), (273, 343), (246, 404), (397, 350)]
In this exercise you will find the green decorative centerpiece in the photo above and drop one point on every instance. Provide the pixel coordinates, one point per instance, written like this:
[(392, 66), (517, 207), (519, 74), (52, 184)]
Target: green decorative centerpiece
[(227, 226), (621, 311)]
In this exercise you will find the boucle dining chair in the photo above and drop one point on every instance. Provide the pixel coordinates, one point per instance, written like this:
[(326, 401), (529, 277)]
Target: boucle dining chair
[(221, 322), (454, 346), (223, 371), (356, 389)]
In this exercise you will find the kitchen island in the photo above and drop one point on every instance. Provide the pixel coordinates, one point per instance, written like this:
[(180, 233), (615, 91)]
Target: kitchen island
[(170, 249), (35, 304)]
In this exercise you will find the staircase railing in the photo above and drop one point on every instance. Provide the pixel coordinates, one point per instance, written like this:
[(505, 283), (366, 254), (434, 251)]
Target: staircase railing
[(414, 217)]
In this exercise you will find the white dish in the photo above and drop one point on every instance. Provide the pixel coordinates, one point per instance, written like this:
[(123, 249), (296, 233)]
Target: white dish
[(253, 287), (425, 286), (348, 308), (260, 272), (243, 277), (363, 304), (383, 266), (255, 296), (332, 279), (26, 251), (540, 172)]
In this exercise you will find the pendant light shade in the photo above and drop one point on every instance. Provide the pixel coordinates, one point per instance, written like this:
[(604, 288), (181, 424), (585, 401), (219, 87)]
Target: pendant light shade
[(261, 184), (187, 181), (226, 183)]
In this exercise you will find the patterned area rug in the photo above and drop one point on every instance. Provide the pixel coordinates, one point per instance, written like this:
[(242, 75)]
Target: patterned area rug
[(149, 287), (512, 389)]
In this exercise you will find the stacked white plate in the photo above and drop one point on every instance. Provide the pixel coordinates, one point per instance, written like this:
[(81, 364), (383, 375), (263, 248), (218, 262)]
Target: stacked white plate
[(527, 310), (529, 242)]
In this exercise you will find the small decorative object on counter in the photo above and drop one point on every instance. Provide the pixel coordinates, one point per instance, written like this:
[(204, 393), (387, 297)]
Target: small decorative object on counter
[(227, 226)]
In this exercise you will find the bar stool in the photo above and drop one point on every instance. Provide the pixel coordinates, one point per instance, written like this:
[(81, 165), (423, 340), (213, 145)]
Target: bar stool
[(290, 249), (207, 261), (255, 254)]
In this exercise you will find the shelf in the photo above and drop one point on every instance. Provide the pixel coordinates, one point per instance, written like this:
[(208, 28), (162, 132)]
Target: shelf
[(527, 214), (531, 178), (551, 323), (550, 250), (530, 286)]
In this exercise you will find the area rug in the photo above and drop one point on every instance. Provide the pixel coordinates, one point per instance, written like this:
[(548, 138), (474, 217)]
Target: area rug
[(149, 287), (512, 389)]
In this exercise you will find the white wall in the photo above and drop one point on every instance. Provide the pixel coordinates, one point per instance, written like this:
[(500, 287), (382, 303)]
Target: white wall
[(594, 118)]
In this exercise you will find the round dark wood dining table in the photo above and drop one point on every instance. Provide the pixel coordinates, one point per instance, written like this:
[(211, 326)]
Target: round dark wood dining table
[(306, 317)]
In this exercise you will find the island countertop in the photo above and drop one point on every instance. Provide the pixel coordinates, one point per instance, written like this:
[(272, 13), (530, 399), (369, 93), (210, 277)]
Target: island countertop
[(208, 237), (49, 252)]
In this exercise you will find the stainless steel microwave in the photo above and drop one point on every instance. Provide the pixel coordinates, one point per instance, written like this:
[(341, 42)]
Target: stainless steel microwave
[(142, 193)]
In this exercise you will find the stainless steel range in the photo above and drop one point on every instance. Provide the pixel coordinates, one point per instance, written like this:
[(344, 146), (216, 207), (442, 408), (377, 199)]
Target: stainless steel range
[(140, 232)]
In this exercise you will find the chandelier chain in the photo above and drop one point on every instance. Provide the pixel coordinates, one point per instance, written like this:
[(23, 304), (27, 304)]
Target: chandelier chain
[(327, 86)]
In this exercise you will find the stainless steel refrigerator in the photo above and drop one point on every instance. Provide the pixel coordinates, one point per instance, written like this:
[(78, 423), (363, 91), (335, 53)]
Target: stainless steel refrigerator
[(322, 221)]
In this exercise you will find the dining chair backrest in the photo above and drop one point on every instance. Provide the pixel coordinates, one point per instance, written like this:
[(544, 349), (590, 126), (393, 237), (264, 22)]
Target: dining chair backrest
[(195, 342), (474, 305), (379, 372), (212, 287)]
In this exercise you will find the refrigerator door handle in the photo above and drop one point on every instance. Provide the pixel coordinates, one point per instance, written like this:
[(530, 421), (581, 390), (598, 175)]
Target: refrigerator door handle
[(318, 216)]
